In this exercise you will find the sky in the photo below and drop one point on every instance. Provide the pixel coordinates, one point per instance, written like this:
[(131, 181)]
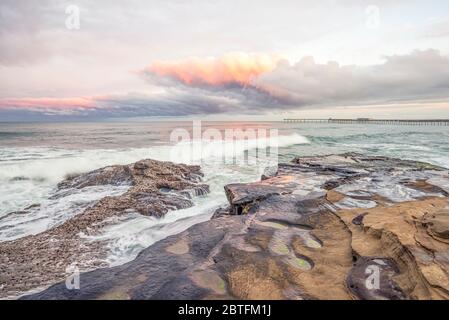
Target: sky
[(223, 59)]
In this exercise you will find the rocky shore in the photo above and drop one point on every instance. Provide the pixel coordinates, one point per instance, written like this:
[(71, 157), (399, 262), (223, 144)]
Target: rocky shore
[(329, 227), (153, 188)]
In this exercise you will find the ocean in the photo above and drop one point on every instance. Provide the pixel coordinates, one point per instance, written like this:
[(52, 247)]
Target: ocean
[(34, 157)]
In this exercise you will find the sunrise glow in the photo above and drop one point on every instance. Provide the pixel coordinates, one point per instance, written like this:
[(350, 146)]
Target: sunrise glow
[(234, 68)]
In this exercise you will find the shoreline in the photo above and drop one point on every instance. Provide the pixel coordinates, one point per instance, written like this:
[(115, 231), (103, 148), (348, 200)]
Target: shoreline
[(152, 189), (283, 223)]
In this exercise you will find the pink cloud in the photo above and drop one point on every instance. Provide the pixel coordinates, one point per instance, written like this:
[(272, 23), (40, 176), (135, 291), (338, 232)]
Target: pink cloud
[(47, 103), (234, 68)]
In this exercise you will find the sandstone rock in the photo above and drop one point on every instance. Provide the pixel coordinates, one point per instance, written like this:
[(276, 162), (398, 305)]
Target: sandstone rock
[(290, 237), (438, 223)]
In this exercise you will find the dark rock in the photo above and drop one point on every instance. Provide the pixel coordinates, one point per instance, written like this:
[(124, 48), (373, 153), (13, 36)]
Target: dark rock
[(373, 279), (358, 221), (114, 175), (222, 212)]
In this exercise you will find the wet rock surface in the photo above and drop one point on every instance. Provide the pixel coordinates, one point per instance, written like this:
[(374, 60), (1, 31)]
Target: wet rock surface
[(329, 227), (154, 188)]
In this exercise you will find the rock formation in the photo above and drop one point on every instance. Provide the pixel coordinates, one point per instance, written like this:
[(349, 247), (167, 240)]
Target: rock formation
[(328, 227), (154, 189)]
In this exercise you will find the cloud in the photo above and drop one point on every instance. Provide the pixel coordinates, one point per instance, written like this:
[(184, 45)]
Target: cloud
[(18, 109), (437, 29), (266, 82), (421, 75), (24, 30), (234, 69), (175, 103), (249, 84), (47, 103)]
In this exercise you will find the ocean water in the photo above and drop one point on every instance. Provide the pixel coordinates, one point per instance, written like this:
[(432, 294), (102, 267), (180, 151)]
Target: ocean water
[(35, 157)]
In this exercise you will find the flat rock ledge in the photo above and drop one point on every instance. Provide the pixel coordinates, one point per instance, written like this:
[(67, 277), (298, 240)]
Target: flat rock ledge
[(327, 227), (154, 188)]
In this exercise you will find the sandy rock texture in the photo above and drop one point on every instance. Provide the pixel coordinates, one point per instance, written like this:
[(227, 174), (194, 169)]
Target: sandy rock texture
[(154, 188), (327, 227)]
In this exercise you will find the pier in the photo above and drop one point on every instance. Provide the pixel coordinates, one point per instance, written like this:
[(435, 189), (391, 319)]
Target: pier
[(397, 122)]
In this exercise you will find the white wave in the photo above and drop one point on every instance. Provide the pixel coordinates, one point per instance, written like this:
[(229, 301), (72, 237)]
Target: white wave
[(133, 233), (29, 177), (127, 236), (52, 212), (55, 164)]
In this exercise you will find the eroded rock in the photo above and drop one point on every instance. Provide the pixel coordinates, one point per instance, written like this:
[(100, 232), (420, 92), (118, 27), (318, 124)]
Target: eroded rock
[(318, 228), (154, 189), (438, 223)]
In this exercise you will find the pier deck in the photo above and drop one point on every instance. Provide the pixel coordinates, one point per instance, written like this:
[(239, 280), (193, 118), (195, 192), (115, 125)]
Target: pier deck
[(434, 122)]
